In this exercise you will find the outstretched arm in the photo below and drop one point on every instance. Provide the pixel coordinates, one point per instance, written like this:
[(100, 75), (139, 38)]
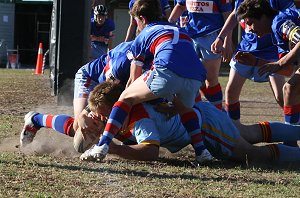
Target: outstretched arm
[(141, 152), (284, 65)]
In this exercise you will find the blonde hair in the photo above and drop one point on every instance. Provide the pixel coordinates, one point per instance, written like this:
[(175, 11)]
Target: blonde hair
[(105, 94)]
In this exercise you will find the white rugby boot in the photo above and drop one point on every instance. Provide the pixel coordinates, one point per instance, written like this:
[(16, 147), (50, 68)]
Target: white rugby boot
[(95, 153), (204, 157), (29, 130)]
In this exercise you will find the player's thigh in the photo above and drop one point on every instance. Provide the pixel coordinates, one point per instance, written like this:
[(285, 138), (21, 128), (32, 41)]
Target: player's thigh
[(137, 92)]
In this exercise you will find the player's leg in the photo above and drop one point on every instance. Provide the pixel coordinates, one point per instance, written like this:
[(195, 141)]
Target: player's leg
[(276, 83), (212, 62), (269, 132), (292, 99), (212, 89), (244, 151), (34, 121), (232, 94)]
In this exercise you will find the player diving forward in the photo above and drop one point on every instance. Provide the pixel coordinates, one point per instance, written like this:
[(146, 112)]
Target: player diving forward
[(148, 129)]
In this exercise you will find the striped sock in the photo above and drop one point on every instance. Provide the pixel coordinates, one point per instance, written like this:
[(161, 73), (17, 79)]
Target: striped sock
[(233, 110), (214, 95), (279, 132), (115, 122), (191, 123), (284, 153), (60, 123), (292, 114)]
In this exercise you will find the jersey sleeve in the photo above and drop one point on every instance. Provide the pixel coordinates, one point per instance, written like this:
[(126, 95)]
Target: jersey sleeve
[(281, 25)]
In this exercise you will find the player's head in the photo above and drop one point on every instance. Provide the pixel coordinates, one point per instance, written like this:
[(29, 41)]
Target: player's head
[(103, 97), (258, 15), (146, 11), (100, 14)]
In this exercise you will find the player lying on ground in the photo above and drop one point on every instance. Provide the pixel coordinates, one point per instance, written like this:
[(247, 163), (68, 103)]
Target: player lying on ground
[(150, 129), (104, 96), (147, 130), (176, 69)]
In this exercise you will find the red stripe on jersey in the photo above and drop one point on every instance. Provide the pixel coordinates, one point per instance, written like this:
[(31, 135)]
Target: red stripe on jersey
[(49, 119), (137, 113), (166, 37), (88, 82), (215, 8), (107, 67), (243, 24), (225, 1), (281, 55), (217, 139)]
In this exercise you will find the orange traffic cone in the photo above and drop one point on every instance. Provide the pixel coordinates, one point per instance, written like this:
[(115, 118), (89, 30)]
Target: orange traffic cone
[(39, 61)]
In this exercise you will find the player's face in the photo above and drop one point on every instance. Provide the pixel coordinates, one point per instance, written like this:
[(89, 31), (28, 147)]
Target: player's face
[(260, 26), (140, 23), (100, 19), (102, 112)]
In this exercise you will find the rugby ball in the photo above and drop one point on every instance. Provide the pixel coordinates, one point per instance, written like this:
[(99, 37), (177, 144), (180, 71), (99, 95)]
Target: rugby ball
[(82, 143)]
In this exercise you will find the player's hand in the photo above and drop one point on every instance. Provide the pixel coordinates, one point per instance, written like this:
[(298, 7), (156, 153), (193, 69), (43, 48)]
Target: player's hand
[(89, 123), (245, 58), (217, 46), (227, 52), (269, 68)]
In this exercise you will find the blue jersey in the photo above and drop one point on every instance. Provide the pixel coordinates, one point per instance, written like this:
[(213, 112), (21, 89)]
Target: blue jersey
[(103, 30), (114, 64), (205, 16), (169, 47), (164, 5), (283, 23), (262, 47)]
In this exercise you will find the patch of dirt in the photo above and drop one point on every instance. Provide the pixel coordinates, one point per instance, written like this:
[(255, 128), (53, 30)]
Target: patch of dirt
[(21, 92)]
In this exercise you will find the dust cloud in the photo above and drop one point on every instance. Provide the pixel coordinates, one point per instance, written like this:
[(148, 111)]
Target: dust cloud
[(46, 141)]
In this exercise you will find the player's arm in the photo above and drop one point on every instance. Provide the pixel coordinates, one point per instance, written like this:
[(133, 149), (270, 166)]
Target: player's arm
[(131, 30), (176, 13), (227, 38), (285, 65), (136, 69), (141, 152), (110, 41)]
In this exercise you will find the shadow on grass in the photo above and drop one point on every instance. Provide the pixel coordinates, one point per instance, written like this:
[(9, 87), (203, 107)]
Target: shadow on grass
[(207, 176)]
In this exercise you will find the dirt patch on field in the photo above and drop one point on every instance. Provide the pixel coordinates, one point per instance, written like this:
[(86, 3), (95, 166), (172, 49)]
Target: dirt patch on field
[(21, 92)]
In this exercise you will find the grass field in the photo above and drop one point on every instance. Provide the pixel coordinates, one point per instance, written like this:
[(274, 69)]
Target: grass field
[(50, 167)]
